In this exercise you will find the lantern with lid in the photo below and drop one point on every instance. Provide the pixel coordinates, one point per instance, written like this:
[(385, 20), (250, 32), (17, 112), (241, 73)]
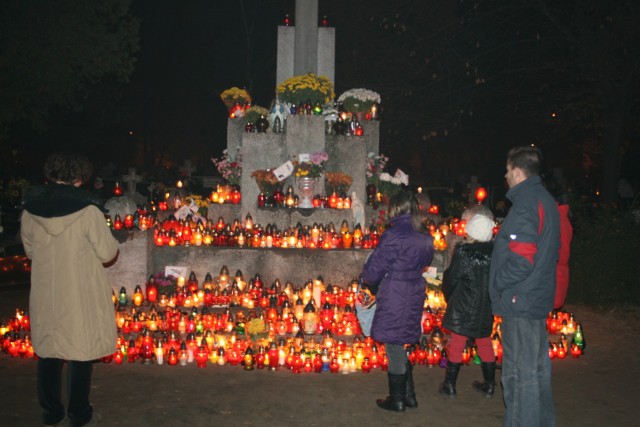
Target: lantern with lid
[(310, 319)]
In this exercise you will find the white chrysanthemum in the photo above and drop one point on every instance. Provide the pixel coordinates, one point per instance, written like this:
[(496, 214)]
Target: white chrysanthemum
[(363, 95)]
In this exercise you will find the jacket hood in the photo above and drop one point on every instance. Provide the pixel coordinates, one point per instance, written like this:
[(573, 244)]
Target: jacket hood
[(55, 200), (55, 207)]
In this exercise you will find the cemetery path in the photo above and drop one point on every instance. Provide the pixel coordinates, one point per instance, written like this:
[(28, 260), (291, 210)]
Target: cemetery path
[(596, 389)]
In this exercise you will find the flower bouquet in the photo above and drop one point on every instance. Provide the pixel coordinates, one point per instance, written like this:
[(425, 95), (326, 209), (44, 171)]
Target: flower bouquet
[(359, 100), (234, 96), (166, 284), (307, 87), (266, 180), (312, 168), (383, 181), (337, 182), (228, 168)]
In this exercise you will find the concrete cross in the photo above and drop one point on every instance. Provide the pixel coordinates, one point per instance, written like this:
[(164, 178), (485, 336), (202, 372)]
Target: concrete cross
[(187, 168), (132, 179)]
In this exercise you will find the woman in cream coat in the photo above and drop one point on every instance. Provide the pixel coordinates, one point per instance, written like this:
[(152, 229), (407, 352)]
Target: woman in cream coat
[(65, 235)]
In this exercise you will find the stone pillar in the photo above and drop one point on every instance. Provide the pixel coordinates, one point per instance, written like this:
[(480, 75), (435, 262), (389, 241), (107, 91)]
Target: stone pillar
[(305, 59), (284, 61), (327, 53)]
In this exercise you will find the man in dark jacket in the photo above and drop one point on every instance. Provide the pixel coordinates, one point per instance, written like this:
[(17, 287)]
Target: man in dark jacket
[(522, 288)]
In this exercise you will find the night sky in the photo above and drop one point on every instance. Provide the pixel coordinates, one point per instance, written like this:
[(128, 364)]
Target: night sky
[(189, 54), (191, 51)]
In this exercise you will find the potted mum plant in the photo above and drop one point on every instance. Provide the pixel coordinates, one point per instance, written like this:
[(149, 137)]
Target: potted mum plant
[(236, 100), (306, 88), (253, 113), (359, 101)]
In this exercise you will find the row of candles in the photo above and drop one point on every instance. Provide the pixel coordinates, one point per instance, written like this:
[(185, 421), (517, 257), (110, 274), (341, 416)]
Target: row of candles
[(173, 232), (288, 199), (186, 321), (248, 234), (299, 352)]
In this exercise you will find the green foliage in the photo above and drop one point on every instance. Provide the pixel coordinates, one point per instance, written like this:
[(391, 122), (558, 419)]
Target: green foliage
[(604, 260), (252, 114), (54, 51)]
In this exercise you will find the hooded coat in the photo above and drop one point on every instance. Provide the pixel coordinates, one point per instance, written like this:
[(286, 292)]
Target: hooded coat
[(66, 237), (397, 263), (465, 286)]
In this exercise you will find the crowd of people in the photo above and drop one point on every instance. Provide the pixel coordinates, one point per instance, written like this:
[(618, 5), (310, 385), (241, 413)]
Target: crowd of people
[(513, 275)]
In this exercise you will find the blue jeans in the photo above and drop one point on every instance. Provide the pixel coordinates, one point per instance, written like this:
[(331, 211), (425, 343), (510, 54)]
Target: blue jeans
[(526, 373), (78, 387)]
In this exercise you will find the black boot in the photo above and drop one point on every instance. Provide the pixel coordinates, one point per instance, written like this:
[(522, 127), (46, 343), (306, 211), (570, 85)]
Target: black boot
[(397, 388), (410, 395), (488, 386), (448, 387)]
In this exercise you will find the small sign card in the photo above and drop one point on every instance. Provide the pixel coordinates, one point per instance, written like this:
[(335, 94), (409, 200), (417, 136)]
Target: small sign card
[(304, 157), (283, 171), (175, 271)]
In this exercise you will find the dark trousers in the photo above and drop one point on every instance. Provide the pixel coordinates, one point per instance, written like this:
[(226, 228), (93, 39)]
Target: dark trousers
[(397, 356), (78, 387)]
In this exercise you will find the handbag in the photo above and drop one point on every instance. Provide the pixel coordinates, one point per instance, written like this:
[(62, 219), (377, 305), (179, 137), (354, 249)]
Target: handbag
[(365, 308)]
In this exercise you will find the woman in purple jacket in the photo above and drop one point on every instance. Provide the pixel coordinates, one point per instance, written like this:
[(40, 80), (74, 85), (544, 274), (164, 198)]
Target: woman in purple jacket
[(397, 264)]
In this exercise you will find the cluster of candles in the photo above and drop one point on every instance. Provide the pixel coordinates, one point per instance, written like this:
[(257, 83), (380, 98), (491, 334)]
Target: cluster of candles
[(569, 335), (142, 219), (288, 199), (174, 340), (288, 316), (230, 321), (247, 234), (15, 263), (226, 194)]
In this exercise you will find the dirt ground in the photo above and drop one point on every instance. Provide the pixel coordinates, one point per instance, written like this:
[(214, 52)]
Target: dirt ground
[(596, 389)]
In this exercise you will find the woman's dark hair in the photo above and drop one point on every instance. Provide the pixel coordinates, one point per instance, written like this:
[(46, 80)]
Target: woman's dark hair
[(405, 202), (67, 168)]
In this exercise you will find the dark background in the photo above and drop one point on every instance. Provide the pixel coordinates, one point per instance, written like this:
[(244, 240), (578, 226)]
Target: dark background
[(460, 84)]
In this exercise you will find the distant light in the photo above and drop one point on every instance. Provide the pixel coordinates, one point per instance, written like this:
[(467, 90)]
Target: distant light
[(419, 190), (130, 132), (179, 183), (553, 115)]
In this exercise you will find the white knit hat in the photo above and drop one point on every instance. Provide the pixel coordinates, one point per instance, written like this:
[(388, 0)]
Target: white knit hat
[(480, 228)]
